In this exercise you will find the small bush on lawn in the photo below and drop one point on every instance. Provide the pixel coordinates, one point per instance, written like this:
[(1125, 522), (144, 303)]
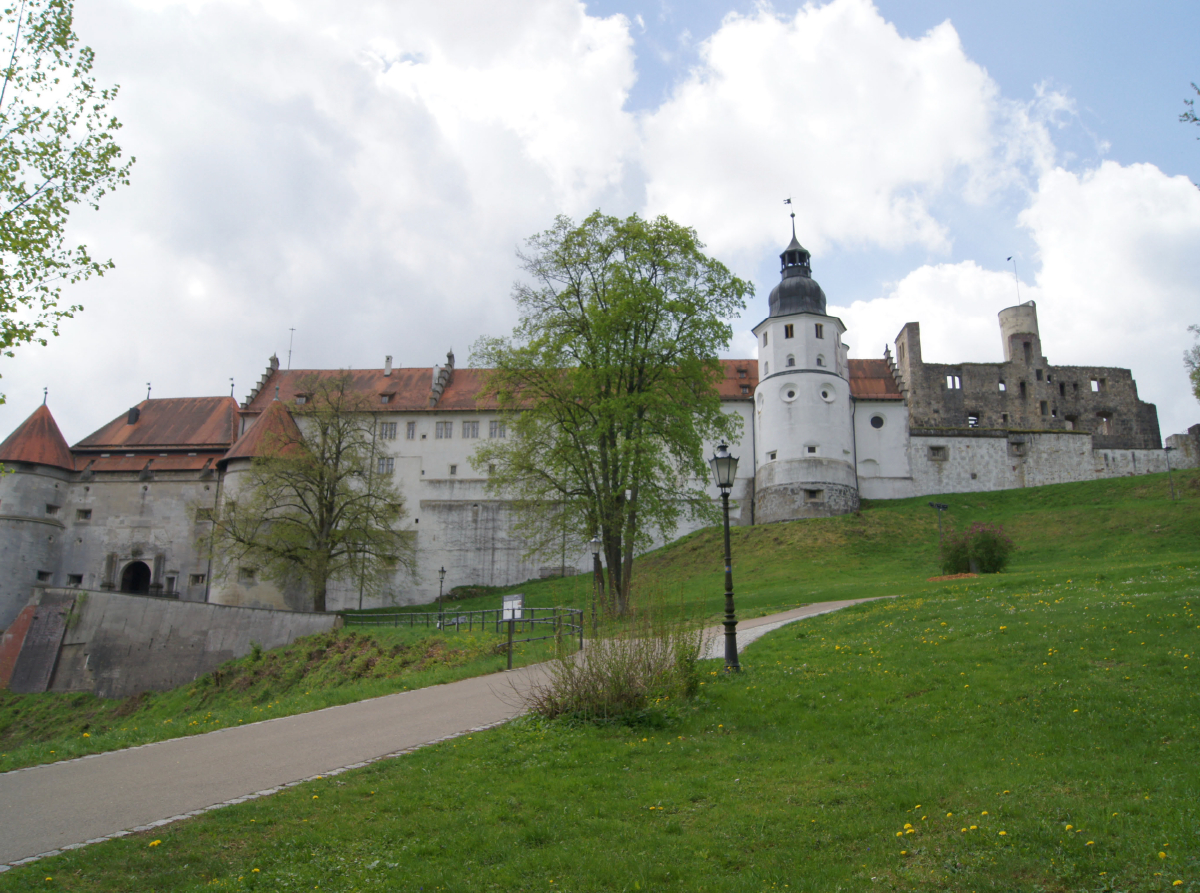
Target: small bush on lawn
[(981, 549), (643, 660)]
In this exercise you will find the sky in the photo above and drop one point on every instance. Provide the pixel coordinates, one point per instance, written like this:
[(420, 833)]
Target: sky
[(356, 180)]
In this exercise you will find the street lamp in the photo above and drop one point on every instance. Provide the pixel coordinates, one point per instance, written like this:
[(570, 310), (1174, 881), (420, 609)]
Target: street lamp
[(939, 507), (724, 468), (597, 577), (1170, 477), (441, 610)]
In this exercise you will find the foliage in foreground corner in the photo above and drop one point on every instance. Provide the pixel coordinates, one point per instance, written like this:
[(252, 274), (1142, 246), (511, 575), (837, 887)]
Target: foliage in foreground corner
[(981, 549)]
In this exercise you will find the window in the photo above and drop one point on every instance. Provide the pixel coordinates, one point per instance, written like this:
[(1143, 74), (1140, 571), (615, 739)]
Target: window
[(410, 431), (742, 373), (827, 395), (443, 430), (810, 450), (791, 394), (973, 420), (1038, 374), (814, 495), (492, 468), (83, 514), (765, 339), (820, 361), (1105, 422), (1053, 412), (1097, 385), (301, 399), (788, 331), (1028, 352), (953, 383), (196, 579), (766, 368), (1004, 418), (1022, 390), (496, 429), (877, 421), (454, 469), (74, 579), (1049, 377), (791, 361), (900, 352), (470, 430), (387, 430), (1074, 387), (247, 574), (1003, 386), (44, 576), (771, 456), (1071, 420), (820, 328), (385, 398), (52, 511), (203, 515), (1044, 408), (745, 389), (387, 465), (939, 453), (1062, 389)]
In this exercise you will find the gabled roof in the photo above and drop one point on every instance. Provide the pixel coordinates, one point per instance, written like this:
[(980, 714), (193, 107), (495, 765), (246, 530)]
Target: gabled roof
[(873, 380), (38, 441), (273, 431), (175, 422)]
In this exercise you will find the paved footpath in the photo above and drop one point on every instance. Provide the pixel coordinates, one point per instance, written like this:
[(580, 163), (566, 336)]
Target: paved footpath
[(49, 808)]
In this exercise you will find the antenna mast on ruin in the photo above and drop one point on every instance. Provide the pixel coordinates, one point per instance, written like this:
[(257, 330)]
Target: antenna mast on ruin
[(290, 337), (1016, 279)]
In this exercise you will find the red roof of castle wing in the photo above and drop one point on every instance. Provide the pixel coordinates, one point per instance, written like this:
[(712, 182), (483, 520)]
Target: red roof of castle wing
[(174, 422), (872, 380), (273, 430), (38, 441)]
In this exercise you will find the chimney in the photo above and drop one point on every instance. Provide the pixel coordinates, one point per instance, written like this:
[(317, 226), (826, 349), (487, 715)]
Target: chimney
[(134, 413), (387, 365)]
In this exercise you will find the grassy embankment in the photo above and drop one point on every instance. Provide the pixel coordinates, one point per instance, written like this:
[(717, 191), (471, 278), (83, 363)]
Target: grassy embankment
[(1035, 730), (888, 549)]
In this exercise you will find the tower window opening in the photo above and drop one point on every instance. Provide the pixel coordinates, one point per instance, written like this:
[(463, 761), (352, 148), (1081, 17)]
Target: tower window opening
[(953, 383), (814, 495), (821, 361), (1028, 352), (1003, 387), (1004, 418), (1062, 389), (1097, 385), (1105, 420), (973, 420), (810, 450), (820, 329), (44, 576), (1071, 420), (788, 330), (877, 421), (1022, 390), (454, 469), (766, 369), (1044, 407), (791, 360), (1053, 412), (74, 579), (1038, 374), (765, 338), (938, 453), (771, 456)]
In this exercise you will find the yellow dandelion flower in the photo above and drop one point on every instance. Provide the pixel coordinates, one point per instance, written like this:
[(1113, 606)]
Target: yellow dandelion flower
[(315, 797), (899, 833), (974, 827), (1090, 843), (907, 825), (1173, 884), (904, 852), (949, 814), (984, 812), (1069, 827), (155, 842), (1003, 833), (1162, 855)]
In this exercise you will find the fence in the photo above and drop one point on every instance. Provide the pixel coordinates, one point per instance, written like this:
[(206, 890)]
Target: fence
[(561, 621)]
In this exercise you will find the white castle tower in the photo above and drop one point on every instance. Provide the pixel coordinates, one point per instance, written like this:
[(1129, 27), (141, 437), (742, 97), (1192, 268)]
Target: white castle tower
[(804, 443)]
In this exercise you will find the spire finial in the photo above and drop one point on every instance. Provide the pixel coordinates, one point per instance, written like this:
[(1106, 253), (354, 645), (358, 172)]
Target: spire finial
[(45, 395), (276, 392), (793, 224), (231, 387), (147, 390)]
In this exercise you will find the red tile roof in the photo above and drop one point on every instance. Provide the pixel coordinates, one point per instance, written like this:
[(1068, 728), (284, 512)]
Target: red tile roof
[(273, 429), (190, 423), (872, 380), (39, 441)]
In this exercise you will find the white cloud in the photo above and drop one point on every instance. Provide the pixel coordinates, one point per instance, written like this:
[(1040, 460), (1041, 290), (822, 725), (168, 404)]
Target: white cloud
[(862, 127)]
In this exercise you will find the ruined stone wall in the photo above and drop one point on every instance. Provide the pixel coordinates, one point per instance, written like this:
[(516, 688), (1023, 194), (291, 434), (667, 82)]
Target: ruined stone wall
[(1026, 393)]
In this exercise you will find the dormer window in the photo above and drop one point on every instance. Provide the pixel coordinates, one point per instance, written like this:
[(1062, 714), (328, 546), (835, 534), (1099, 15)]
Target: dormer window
[(301, 399)]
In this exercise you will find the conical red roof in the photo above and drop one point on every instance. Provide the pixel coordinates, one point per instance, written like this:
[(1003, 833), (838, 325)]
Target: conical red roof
[(38, 441), (275, 430)]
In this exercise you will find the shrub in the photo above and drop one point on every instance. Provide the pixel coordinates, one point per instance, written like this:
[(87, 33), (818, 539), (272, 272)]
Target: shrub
[(982, 549), (644, 661)]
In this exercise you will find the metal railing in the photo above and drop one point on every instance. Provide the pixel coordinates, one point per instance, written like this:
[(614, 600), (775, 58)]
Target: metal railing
[(561, 622)]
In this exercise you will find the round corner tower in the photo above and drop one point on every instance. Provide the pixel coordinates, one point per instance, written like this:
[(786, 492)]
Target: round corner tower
[(804, 441)]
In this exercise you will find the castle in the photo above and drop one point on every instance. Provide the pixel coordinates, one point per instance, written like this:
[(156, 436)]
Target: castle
[(128, 507)]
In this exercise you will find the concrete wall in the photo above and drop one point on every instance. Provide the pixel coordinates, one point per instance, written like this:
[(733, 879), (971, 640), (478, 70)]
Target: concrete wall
[(118, 644), (33, 503)]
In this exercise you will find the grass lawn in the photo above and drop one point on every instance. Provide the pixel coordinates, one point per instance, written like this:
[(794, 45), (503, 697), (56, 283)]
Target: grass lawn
[(1035, 730)]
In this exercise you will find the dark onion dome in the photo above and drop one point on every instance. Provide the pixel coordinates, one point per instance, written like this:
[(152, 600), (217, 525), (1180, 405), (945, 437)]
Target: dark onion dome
[(797, 291)]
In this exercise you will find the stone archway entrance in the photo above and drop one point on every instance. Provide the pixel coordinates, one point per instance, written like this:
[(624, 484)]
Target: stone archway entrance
[(136, 577)]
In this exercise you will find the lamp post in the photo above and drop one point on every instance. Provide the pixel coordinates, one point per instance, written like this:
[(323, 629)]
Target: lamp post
[(1170, 477), (724, 468), (597, 577), (441, 609), (939, 507)]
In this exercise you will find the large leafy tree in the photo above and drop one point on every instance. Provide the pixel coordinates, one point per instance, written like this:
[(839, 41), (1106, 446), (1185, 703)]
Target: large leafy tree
[(56, 152), (1191, 359), (313, 507), (609, 385)]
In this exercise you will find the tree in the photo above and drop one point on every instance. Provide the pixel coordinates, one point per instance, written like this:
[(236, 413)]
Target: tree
[(1191, 359), (1189, 117), (608, 385), (56, 151), (312, 507)]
